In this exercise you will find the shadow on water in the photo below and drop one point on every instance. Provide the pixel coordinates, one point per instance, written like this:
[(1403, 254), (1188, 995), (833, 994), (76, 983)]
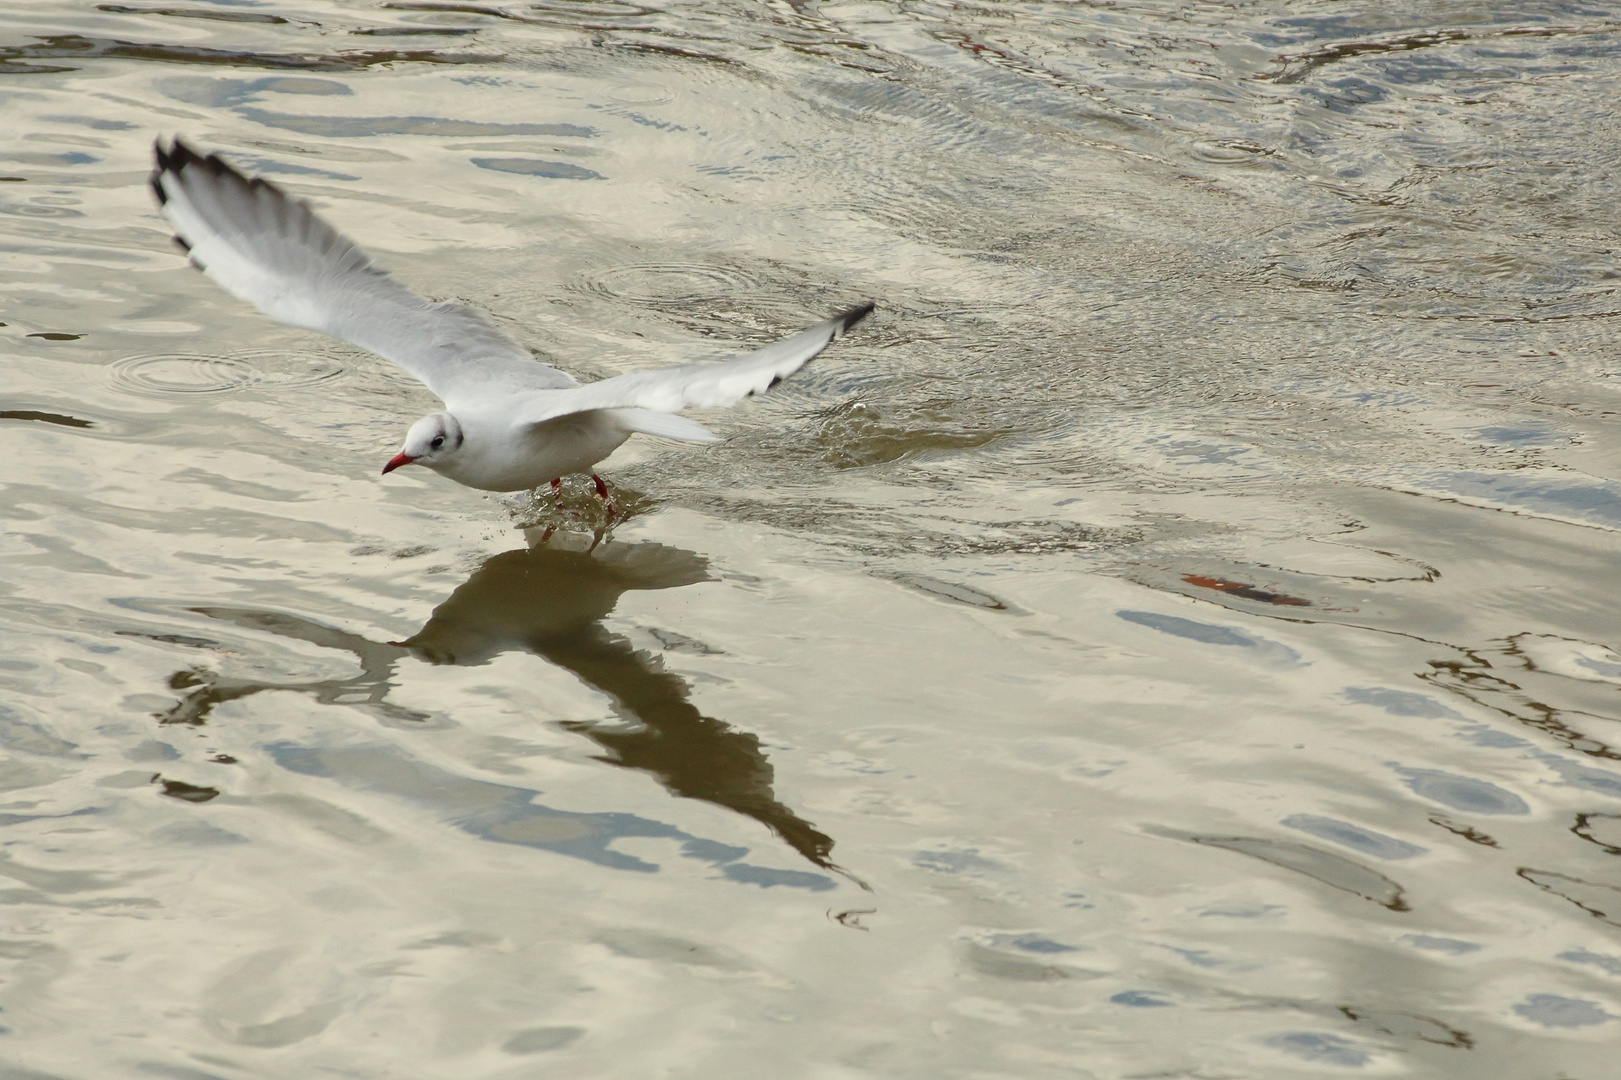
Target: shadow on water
[(550, 602)]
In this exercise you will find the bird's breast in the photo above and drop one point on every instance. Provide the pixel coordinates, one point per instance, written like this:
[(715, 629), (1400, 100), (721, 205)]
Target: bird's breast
[(498, 457)]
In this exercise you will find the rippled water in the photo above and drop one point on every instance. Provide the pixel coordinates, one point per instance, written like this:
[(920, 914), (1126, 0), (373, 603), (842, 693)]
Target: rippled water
[(1174, 637)]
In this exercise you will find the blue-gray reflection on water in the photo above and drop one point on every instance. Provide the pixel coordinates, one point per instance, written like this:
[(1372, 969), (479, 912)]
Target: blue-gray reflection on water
[(1557, 1011), (1595, 502), (509, 815), (1352, 836), (1211, 634), (1462, 792)]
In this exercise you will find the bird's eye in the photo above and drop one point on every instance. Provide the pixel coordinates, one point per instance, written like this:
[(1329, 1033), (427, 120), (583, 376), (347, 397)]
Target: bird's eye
[(438, 441)]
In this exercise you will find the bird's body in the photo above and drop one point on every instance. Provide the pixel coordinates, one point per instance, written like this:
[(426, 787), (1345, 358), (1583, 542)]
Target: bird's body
[(510, 423), (501, 455)]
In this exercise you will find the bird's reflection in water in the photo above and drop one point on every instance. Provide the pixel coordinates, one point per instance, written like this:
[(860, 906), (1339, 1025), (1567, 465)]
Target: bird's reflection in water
[(547, 600)]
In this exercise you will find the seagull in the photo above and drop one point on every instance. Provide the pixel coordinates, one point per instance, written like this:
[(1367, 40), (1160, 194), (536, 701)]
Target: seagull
[(510, 422)]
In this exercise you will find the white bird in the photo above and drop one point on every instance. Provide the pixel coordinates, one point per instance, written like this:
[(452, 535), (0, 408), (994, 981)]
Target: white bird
[(510, 422)]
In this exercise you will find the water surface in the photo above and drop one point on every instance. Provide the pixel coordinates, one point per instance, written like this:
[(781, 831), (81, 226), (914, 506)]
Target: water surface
[(1173, 637)]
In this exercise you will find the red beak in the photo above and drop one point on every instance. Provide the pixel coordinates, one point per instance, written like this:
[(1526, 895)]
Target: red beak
[(396, 461)]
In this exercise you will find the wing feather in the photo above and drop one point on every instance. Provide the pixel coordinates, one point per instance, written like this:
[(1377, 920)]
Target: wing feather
[(671, 389), (265, 247)]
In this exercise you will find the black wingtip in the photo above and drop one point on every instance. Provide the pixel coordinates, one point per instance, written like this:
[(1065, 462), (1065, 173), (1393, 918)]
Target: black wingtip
[(177, 157), (163, 165), (169, 159), (854, 315)]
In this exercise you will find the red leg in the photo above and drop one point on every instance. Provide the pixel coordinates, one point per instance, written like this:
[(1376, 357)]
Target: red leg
[(602, 492)]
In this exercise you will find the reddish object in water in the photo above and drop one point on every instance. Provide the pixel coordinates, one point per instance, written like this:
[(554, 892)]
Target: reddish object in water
[(1248, 592)]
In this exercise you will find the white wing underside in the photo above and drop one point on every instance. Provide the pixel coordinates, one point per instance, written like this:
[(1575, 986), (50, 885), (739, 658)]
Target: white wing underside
[(265, 247), (271, 250), (668, 390)]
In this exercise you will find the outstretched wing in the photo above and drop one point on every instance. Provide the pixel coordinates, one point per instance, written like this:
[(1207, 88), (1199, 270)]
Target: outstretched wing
[(668, 390), (265, 247)]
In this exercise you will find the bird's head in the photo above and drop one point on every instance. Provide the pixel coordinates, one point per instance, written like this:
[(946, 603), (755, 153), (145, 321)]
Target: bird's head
[(432, 441)]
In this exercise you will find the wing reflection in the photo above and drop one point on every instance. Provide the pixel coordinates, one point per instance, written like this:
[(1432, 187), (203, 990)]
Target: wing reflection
[(549, 601)]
